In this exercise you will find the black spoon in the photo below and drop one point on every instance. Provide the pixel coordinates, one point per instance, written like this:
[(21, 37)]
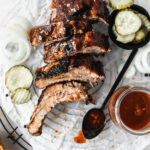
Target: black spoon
[(94, 121)]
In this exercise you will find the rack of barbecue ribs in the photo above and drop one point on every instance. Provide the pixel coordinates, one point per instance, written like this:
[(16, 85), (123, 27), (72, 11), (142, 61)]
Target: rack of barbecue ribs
[(69, 44)]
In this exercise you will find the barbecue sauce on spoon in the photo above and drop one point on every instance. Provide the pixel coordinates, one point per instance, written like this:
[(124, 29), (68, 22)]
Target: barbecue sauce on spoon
[(95, 119), (135, 110)]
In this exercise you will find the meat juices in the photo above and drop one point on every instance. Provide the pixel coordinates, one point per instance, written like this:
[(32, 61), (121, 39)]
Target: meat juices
[(129, 107)]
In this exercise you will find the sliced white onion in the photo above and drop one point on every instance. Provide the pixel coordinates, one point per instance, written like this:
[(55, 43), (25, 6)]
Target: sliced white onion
[(22, 51), (22, 21), (25, 53), (13, 31), (12, 48), (130, 71), (145, 58), (19, 31), (138, 63), (16, 56)]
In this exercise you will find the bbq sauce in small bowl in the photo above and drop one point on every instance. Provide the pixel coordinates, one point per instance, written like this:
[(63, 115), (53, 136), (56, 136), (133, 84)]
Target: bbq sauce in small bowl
[(135, 110), (129, 109)]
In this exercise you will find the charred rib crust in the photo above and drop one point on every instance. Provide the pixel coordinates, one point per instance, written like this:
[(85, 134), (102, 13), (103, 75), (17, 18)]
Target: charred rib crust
[(96, 39), (66, 64), (41, 35), (79, 13), (72, 10), (77, 44), (69, 9), (56, 70)]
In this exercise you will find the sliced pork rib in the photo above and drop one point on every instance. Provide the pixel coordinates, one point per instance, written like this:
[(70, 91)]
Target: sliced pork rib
[(50, 97), (77, 68), (98, 11), (58, 31), (73, 9), (92, 42), (68, 10), (42, 34)]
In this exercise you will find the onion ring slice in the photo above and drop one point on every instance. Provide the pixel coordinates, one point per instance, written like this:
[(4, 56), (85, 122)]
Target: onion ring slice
[(138, 64), (145, 59), (21, 21), (16, 57)]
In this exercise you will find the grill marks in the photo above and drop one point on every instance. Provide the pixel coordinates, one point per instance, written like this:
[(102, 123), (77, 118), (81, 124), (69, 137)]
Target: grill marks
[(59, 31), (98, 11), (56, 69), (74, 9), (78, 68), (68, 9), (50, 97), (90, 42)]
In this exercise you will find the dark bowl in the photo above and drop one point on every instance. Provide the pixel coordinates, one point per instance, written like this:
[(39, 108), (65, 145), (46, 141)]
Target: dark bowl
[(128, 46)]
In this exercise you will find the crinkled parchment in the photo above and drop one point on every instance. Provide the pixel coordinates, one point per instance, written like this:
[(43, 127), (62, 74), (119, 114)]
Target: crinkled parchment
[(64, 121)]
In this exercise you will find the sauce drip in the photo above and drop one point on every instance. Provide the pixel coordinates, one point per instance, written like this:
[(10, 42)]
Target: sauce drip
[(80, 139), (52, 6), (1, 145), (135, 110)]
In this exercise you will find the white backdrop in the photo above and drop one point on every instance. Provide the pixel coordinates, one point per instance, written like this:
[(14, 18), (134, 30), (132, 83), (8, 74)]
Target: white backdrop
[(67, 124)]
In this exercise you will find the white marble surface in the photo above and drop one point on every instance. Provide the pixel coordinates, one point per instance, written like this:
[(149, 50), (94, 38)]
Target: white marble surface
[(66, 118)]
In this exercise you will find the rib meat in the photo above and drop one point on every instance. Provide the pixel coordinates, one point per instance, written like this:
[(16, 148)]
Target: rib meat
[(68, 10), (77, 68), (73, 9), (51, 96), (92, 42), (58, 31), (98, 11), (42, 34)]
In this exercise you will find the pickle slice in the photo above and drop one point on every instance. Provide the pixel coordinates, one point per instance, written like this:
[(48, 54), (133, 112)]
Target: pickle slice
[(21, 96), (140, 35), (18, 77), (145, 20), (120, 4), (123, 39), (127, 22)]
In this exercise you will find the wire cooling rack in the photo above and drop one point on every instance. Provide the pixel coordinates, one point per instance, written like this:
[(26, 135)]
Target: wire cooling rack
[(13, 130)]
